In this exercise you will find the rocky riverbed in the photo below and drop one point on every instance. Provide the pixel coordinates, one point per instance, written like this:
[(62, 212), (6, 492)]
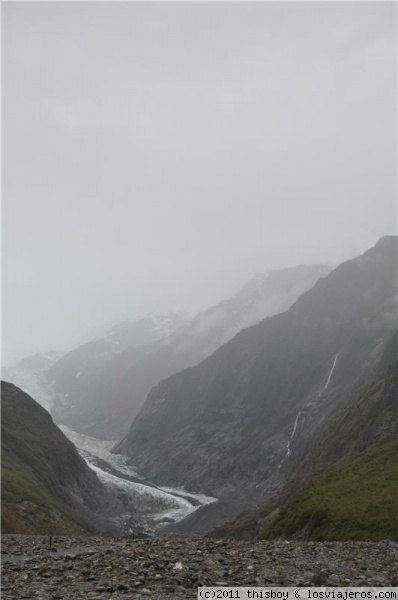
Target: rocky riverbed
[(99, 568)]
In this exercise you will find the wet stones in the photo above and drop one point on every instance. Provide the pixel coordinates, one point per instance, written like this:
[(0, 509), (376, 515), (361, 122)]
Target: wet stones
[(121, 568)]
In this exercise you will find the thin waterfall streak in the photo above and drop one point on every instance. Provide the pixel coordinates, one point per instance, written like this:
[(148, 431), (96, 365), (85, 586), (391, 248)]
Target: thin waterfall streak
[(331, 373)]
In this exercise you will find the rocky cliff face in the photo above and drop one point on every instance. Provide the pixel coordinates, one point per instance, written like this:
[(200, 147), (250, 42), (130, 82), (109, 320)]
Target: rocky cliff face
[(235, 423), (366, 419)]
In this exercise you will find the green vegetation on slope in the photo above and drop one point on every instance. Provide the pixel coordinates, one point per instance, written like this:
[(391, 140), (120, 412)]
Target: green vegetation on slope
[(247, 525), (37, 465), (364, 419), (27, 507), (357, 501), (361, 421)]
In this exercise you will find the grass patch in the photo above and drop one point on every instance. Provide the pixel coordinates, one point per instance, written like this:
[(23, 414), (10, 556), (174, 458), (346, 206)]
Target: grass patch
[(357, 501), (37, 463)]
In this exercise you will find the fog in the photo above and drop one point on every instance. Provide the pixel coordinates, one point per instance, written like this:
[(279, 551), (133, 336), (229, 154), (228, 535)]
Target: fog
[(158, 155)]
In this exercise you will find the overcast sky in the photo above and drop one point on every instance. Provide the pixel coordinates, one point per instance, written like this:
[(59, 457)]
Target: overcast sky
[(157, 155)]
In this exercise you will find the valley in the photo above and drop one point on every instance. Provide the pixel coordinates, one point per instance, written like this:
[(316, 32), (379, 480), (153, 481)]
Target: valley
[(211, 427), (199, 328), (240, 423), (154, 506)]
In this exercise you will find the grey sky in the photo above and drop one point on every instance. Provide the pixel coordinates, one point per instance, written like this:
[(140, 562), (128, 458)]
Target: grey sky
[(156, 155)]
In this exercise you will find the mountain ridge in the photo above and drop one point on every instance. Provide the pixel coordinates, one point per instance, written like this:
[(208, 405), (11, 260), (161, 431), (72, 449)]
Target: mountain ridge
[(365, 419), (233, 423), (99, 387)]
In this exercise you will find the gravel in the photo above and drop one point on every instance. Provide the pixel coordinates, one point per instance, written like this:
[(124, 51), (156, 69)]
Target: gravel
[(99, 568)]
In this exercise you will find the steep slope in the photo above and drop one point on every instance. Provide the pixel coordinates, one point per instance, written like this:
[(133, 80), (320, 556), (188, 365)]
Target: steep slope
[(76, 369), (46, 486), (235, 423), (109, 403), (75, 377), (368, 416), (266, 294), (356, 501)]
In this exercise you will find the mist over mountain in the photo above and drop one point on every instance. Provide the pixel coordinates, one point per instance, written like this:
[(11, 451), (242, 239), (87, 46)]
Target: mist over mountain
[(276, 404), (83, 376), (99, 387), (56, 380), (29, 374), (234, 424), (262, 296), (238, 161), (102, 385)]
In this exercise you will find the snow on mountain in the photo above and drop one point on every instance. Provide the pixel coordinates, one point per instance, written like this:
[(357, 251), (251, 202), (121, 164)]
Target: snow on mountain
[(33, 384), (146, 329)]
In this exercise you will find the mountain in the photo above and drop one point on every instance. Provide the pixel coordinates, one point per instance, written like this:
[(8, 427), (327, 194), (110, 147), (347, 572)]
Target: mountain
[(264, 295), (74, 378), (103, 390), (235, 425), (336, 456), (38, 362), (46, 486), (29, 375), (356, 501)]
